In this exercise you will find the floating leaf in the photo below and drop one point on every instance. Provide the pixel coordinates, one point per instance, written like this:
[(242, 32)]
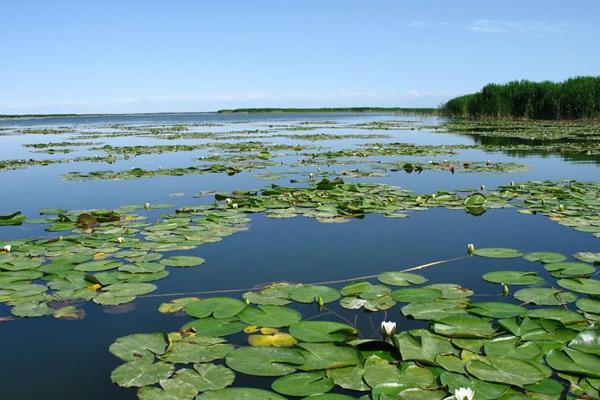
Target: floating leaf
[(264, 361), (239, 393), (215, 327), (322, 331), (217, 307), (182, 261), (142, 372), (303, 384), (415, 295), (465, 326), (311, 293), (498, 252), (513, 277), (505, 370), (327, 356), (545, 296), (270, 316), (496, 309), (401, 278), (139, 345), (544, 256), (569, 269), (581, 285)]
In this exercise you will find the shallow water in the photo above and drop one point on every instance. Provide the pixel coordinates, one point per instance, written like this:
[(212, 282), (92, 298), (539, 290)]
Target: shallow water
[(50, 358)]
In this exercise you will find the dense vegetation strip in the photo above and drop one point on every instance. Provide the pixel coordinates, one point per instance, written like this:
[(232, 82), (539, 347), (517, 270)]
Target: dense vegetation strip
[(574, 98)]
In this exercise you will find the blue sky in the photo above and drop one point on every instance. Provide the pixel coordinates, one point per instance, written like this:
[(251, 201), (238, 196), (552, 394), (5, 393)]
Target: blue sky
[(147, 56)]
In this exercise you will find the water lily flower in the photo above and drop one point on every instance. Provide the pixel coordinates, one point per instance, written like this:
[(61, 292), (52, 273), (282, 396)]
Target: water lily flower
[(471, 248), (228, 200), (311, 175), (234, 206), (464, 394), (120, 239), (146, 205), (6, 248), (388, 328)]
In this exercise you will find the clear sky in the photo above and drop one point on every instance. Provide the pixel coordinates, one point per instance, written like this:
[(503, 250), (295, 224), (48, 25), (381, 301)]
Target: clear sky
[(145, 56)]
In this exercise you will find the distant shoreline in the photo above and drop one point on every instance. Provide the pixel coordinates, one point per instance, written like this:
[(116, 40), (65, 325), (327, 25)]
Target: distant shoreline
[(327, 109), (237, 111)]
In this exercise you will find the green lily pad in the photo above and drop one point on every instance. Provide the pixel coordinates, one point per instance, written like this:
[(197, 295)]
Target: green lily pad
[(15, 218), (239, 393), (581, 285), (311, 293), (545, 296), (270, 316), (513, 277), (422, 346), (320, 356), (216, 327), (401, 278), (565, 317), (507, 370), (415, 295), (139, 345), (569, 269), (589, 305), (544, 256), (142, 372), (498, 252), (206, 377), (322, 331), (303, 384), (217, 307), (495, 309), (588, 257), (463, 326), (349, 378), (182, 261), (265, 361)]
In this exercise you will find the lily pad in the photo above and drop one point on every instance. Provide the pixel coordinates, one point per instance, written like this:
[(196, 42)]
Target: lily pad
[(498, 252), (513, 277), (401, 278), (303, 384), (311, 293), (322, 331), (182, 261), (239, 393), (217, 307), (544, 256), (265, 361), (545, 296), (270, 316)]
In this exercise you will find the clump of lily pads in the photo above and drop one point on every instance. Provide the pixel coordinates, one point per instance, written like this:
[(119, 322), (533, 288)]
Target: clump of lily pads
[(540, 345)]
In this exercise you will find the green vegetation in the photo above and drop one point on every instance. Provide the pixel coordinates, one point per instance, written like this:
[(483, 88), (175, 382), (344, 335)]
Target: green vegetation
[(330, 109), (496, 348), (574, 98)]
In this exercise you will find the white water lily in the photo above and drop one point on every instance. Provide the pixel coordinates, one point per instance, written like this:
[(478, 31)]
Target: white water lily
[(120, 239), (146, 205), (228, 200), (388, 328), (471, 248), (464, 394), (234, 206), (7, 248)]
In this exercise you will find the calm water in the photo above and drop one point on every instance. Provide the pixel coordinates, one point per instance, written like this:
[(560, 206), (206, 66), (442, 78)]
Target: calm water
[(45, 358)]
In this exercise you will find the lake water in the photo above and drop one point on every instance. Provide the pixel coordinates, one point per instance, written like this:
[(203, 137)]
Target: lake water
[(47, 358)]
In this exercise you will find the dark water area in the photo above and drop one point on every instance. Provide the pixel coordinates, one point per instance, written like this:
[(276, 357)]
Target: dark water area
[(47, 358)]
